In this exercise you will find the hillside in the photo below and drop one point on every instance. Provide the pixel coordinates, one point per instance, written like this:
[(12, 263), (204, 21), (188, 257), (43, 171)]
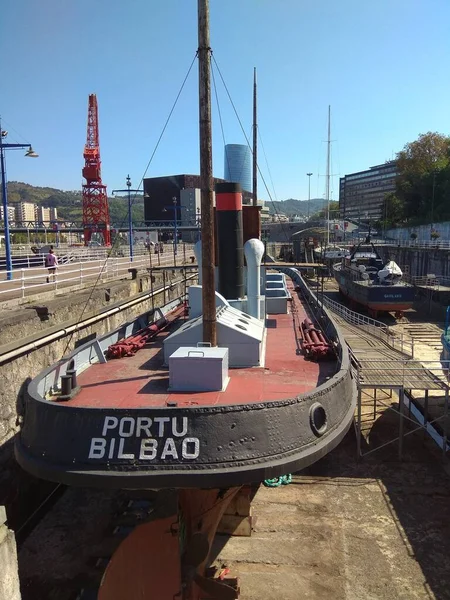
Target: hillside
[(69, 204), (296, 207)]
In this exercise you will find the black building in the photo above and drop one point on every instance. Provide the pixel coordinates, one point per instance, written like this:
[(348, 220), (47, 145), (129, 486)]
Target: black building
[(160, 191)]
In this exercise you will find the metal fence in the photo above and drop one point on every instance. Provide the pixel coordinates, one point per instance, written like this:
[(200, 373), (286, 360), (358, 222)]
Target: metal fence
[(87, 267), (376, 328)]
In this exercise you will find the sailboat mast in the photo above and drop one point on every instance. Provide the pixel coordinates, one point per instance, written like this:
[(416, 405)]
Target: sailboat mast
[(255, 144), (206, 178), (327, 188)]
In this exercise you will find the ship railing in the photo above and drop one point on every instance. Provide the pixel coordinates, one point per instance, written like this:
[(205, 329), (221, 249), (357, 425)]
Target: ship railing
[(407, 243), (430, 281), (81, 271), (397, 341)]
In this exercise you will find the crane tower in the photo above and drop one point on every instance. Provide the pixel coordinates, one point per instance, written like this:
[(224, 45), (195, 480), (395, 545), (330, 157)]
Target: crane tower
[(95, 200)]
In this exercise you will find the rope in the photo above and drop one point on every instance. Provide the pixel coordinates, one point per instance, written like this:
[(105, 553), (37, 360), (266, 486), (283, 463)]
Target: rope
[(278, 481)]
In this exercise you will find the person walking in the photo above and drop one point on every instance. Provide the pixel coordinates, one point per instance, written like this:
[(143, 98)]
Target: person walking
[(51, 262)]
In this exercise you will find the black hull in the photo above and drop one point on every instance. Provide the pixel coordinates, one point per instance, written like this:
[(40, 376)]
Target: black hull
[(381, 298), (208, 446)]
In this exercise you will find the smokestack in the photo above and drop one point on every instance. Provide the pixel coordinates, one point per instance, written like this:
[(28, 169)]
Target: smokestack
[(230, 240)]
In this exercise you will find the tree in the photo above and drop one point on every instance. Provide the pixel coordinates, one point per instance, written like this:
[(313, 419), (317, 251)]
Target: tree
[(423, 168), (429, 153), (394, 210)]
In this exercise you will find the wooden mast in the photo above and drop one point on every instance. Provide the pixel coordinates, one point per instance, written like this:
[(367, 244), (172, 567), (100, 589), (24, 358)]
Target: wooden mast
[(206, 179), (255, 144)]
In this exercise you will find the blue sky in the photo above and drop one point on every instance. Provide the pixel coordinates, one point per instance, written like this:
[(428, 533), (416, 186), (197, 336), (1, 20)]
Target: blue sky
[(381, 65)]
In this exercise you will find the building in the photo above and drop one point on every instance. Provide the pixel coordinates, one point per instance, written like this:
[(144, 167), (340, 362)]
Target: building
[(238, 165), (11, 215), (160, 192), (361, 195), (42, 215), (26, 212)]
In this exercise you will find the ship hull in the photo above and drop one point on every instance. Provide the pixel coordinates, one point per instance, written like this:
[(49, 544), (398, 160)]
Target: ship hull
[(377, 298), (237, 445), (190, 446)]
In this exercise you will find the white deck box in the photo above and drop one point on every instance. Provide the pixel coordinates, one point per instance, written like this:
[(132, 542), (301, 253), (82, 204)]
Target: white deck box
[(201, 369)]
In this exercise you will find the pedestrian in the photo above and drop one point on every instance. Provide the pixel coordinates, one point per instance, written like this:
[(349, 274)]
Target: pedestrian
[(51, 262)]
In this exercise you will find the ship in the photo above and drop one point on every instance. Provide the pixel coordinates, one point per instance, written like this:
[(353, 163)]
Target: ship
[(244, 379), (368, 281)]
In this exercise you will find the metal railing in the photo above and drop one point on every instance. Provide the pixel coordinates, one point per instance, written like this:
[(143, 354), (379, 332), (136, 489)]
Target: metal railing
[(80, 271), (376, 328)]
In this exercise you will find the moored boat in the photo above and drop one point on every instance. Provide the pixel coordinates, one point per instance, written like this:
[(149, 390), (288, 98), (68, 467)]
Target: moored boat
[(367, 280)]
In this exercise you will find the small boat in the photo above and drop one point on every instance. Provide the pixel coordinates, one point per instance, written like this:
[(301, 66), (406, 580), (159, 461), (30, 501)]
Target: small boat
[(365, 279), (331, 253)]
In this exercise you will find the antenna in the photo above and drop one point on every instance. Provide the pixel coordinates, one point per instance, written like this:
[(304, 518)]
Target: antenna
[(327, 193)]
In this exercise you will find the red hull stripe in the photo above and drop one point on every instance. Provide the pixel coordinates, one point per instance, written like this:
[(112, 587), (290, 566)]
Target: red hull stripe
[(229, 201)]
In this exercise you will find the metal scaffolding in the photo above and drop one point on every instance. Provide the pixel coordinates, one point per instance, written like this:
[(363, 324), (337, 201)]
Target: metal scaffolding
[(412, 381)]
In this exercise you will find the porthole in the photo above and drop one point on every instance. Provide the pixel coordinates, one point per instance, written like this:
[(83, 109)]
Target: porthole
[(318, 419)]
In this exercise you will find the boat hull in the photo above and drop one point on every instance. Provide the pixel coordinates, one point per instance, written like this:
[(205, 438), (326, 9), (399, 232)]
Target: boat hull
[(189, 446), (223, 446), (377, 298)]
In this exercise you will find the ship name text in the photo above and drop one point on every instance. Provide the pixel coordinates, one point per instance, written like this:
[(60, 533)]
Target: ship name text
[(145, 439)]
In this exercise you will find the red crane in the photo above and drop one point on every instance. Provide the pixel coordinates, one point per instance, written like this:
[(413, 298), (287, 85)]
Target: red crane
[(95, 200)]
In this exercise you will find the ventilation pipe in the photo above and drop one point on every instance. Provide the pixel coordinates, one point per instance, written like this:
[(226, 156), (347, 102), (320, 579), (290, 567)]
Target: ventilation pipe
[(254, 251)]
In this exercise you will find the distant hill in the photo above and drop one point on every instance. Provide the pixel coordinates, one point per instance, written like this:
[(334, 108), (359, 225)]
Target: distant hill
[(292, 207), (69, 204)]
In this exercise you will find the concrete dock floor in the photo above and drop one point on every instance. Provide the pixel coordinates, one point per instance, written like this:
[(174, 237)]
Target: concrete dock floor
[(378, 529)]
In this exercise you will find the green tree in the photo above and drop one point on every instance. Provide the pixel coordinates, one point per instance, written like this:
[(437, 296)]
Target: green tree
[(423, 188)]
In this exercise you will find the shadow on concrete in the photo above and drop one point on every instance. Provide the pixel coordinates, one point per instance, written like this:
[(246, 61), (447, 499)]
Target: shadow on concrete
[(416, 491)]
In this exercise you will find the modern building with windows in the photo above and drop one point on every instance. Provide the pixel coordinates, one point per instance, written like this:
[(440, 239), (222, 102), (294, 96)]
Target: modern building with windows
[(238, 165), (362, 194)]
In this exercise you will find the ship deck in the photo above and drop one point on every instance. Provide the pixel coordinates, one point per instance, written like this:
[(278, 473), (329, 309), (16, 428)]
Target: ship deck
[(141, 381)]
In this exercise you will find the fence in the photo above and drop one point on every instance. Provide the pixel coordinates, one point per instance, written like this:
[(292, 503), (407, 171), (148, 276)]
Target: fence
[(378, 329), (86, 267)]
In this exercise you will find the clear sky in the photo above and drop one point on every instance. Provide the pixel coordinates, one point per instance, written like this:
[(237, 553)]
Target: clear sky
[(382, 65)]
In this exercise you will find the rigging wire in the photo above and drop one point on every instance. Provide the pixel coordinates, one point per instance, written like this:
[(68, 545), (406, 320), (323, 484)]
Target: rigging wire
[(109, 253), (220, 116), (249, 145), (10, 127)]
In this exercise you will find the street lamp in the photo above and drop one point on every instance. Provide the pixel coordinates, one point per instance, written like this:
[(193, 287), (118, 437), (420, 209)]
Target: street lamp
[(30, 154), (130, 220), (432, 203), (175, 235), (309, 190), (199, 237)]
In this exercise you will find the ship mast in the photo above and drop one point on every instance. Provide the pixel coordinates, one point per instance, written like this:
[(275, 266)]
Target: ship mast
[(206, 179), (327, 192), (255, 144)]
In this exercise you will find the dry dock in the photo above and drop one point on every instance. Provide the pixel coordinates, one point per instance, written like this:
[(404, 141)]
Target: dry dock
[(348, 529)]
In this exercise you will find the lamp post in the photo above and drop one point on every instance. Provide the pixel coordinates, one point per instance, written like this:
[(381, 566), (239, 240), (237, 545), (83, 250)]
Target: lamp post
[(309, 190), (199, 237), (30, 154), (432, 204), (175, 234), (130, 219)]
